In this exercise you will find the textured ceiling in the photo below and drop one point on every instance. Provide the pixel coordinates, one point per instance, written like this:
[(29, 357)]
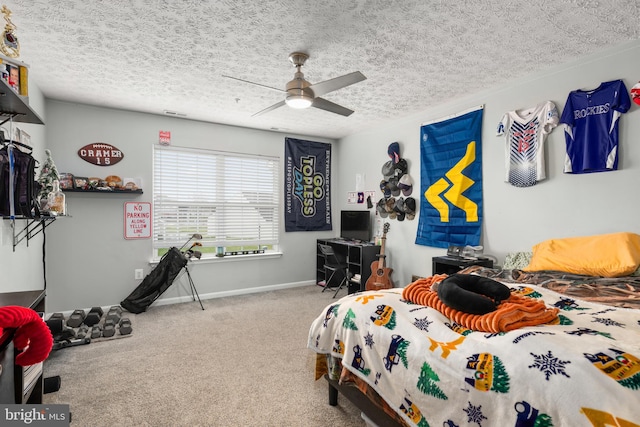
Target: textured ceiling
[(153, 55)]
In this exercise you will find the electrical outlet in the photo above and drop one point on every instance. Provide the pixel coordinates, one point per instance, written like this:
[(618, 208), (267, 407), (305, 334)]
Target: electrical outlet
[(139, 273)]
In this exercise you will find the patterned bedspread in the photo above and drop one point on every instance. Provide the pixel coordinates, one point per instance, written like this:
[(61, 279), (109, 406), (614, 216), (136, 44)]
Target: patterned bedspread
[(616, 291), (582, 370)]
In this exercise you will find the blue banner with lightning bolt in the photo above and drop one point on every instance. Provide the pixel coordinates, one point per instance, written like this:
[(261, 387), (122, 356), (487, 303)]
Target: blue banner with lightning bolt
[(451, 181)]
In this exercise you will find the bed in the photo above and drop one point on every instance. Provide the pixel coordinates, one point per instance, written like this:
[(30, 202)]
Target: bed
[(417, 367)]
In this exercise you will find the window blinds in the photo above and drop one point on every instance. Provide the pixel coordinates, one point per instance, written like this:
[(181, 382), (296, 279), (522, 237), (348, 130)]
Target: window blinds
[(229, 198)]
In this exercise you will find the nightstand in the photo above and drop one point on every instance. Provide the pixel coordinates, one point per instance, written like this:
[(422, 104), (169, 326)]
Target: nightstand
[(452, 264)]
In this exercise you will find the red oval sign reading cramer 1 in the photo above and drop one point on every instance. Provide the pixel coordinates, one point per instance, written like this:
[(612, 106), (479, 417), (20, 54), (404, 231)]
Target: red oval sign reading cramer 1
[(101, 154)]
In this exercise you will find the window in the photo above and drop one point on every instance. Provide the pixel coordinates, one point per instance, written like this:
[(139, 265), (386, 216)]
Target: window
[(230, 199)]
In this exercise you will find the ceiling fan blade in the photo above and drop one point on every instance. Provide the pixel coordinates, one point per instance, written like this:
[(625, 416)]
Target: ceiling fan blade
[(253, 83), (266, 110), (323, 104), (330, 85)]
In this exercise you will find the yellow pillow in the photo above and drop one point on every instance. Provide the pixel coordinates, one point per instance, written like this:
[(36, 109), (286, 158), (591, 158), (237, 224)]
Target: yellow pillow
[(606, 255)]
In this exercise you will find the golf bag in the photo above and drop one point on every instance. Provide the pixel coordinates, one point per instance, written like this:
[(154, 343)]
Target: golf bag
[(156, 282)]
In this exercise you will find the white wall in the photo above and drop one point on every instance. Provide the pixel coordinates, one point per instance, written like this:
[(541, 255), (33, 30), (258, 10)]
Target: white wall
[(89, 261), (515, 218)]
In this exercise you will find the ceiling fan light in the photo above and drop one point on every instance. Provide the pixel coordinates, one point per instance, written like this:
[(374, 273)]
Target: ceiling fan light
[(298, 101)]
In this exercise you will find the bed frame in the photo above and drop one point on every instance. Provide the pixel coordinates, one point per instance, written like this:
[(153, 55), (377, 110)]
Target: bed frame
[(362, 402)]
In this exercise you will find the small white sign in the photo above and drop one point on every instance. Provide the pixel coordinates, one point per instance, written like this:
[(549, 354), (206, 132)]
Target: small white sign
[(137, 220)]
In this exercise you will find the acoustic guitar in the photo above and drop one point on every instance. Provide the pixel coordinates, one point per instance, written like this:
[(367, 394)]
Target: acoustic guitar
[(380, 275)]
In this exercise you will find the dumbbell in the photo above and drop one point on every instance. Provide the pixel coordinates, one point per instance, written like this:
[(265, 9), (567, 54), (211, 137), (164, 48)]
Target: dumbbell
[(56, 323), (76, 318), (94, 316), (96, 331), (125, 326), (114, 313), (59, 330), (83, 331), (109, 328)]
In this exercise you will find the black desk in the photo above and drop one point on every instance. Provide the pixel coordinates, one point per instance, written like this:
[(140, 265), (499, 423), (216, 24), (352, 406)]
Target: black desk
[(359, 257), (452, 264)]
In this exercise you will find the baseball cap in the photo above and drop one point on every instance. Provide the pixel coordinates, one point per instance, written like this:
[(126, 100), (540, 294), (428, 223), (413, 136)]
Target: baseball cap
[(394, 151), (400, 168), (405, 183), (390, 205), (381, 208), (393, 186), (385, 188), (388, 169), (399, 208), (409, 207)]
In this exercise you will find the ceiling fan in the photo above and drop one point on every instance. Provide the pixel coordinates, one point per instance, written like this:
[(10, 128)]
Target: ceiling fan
[(302, 94)]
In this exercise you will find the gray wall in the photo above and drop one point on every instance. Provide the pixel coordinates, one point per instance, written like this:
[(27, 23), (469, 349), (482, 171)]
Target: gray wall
[(516, 218), (90, 263)]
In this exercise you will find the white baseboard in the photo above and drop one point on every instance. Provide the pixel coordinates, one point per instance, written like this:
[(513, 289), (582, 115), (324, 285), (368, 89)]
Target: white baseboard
[(222, 294), (211, 295)]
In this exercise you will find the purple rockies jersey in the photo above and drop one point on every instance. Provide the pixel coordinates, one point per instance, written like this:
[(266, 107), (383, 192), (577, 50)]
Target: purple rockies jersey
[(590, 118)]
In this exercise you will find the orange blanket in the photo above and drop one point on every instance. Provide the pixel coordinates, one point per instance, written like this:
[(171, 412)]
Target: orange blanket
[(513, 313)]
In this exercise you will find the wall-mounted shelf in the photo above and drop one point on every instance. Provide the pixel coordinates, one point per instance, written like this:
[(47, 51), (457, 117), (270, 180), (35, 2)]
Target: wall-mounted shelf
[(75, 190), (32, 228), (16, 107)]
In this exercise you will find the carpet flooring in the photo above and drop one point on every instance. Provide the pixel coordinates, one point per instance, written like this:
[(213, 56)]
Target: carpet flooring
[(243, 361)]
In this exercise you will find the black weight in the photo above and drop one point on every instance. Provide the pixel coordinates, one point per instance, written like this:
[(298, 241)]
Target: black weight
[(94, 316), (55, 323), (76, 318), (97, 310), (64, 335), (55, 326), (83, 331), (51, 384), (125, 326), (109, 328), (114, 313), (96, 331), (92, 319)]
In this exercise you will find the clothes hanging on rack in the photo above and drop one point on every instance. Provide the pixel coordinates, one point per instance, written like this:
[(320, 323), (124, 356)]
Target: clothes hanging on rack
[(18, 185)]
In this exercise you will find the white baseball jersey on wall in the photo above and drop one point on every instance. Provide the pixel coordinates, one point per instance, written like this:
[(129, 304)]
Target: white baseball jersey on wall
[(525, 132)]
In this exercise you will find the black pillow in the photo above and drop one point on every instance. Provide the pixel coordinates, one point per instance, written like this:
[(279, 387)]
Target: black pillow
[(472, 294)]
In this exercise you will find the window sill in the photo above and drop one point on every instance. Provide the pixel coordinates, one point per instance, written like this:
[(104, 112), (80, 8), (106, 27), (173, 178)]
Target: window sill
[(229, 258)]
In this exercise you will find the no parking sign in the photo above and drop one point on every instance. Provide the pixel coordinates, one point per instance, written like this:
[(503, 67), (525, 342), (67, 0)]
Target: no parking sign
[(137, 220)]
